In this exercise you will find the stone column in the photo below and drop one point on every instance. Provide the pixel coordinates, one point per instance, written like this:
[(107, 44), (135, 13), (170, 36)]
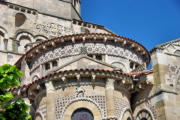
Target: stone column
[(1, 42), (110, 98), (50, 101), (5, 44)]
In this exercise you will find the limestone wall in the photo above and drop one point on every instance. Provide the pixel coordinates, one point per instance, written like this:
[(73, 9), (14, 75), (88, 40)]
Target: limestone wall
[(94, 98), (22, 27), (59, 8)]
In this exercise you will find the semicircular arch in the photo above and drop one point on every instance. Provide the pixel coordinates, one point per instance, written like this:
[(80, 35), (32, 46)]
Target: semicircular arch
[(144, 114), (39, 116), (126, 113), (119, 66), (82, 103), (40, 38), (22, 34)]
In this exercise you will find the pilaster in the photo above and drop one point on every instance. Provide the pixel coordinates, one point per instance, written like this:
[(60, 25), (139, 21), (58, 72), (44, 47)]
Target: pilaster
[(110, 98), (50, 101)]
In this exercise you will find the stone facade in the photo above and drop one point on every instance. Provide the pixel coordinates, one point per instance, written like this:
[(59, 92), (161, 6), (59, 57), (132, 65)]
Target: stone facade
[(76, 70)]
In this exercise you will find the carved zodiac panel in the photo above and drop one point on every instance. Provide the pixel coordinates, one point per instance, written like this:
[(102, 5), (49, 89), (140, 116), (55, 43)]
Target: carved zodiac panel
[(173, 76)]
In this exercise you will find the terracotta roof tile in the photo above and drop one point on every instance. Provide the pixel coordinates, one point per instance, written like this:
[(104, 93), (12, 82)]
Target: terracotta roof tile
[(132, 75), (84, 34)]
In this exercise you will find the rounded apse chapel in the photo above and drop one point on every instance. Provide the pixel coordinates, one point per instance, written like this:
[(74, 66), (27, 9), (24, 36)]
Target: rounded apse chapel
[(84, 76)]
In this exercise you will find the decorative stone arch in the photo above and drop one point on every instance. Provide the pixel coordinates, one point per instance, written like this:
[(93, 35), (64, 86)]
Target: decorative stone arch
[(146, 110), (119, 66), (39, 116), (35, 77), (4, 31), (126, 113), (3, 39), (82, 103), (19, 35), (40, 38), (24, 39)]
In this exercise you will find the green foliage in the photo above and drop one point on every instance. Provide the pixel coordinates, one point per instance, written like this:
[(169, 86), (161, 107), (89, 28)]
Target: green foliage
[(9, 77), (11, 109), (16, 111)]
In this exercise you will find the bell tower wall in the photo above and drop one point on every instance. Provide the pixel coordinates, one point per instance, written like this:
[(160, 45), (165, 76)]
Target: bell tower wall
[(66, 9), (165, 62)]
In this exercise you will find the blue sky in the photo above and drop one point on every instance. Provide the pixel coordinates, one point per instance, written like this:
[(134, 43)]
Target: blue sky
[(150, 22)]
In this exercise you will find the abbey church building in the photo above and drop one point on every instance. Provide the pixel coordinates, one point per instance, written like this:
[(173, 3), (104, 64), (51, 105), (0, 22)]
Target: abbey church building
[(76, 70)]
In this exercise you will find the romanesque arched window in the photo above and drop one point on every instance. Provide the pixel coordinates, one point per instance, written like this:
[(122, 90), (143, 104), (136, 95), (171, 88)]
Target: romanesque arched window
[(1, 40), (144, 115), (82, 114), (47, 66), (23, 40), (119, 66), (54, 63)]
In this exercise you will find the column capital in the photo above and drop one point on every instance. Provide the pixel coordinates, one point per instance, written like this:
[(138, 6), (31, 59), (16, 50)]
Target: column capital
[(110, 83), (49, 87)]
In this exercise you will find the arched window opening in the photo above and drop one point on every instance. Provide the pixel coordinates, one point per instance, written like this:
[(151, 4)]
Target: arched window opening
[(23, 41), (1, 40), (82, 114), (19, 19), (47, 66), (119, 67), (131, 65), (54, 63), (99, 57), (144, 115), (90, 55), (1, 34)]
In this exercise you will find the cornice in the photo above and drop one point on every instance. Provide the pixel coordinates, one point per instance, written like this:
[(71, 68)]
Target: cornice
[(140, 49)]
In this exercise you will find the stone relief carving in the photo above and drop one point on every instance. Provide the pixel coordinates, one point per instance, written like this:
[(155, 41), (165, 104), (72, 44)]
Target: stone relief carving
[(173, 76), (80, 92), (170, 48), (71, 50), (53, 29)]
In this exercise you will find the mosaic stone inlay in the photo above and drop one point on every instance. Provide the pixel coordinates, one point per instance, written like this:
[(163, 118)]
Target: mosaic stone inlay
[(64, 101)]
